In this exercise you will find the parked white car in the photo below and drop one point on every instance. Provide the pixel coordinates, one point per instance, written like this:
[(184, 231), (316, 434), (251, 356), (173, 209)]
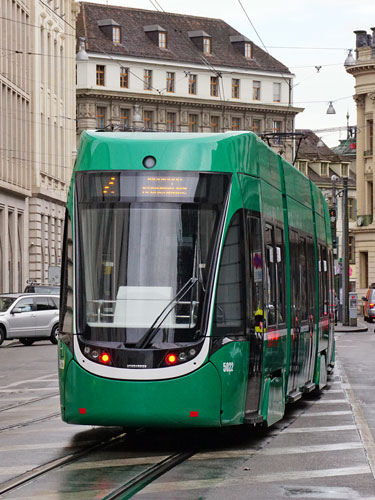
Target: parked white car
[(29, 317)]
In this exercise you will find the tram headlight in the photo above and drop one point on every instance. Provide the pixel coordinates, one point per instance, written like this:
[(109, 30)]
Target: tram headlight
[(94, 354), (182, 356), (149, 162)]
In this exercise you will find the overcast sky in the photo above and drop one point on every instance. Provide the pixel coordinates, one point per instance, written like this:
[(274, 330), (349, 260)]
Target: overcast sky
[(301, 34)]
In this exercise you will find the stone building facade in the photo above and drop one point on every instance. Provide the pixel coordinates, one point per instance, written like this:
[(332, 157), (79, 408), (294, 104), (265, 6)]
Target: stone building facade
[(37, 135), (363, 71), (320, 163), (149, 70)]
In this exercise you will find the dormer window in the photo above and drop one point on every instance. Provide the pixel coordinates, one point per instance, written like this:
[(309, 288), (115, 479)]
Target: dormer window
[(206, 45), (116, 35), (162, 39), (344, 170), (324, 169), (111, 29), (242, 44), (156, 34), (201, 40)]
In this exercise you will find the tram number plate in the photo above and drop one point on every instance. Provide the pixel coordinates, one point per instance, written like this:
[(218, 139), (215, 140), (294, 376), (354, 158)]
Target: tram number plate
[(228, 367)]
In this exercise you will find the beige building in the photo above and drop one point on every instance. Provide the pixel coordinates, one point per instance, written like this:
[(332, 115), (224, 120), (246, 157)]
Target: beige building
[(37, 135), (363, 70), (149, 70)]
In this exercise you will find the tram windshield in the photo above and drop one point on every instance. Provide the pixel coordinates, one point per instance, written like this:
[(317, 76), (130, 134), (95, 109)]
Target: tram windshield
[(146, 246)]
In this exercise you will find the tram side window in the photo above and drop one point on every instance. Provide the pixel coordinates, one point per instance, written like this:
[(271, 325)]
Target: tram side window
[(270, 275), (302, 268), (229, 304), (324, 269), (256, 264), (66, 299), (280, 274), (311, 276), (294, 271)]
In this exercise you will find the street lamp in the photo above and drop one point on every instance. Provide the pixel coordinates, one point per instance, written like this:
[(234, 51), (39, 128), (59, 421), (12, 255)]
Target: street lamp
[(345, 241), (331, 110)]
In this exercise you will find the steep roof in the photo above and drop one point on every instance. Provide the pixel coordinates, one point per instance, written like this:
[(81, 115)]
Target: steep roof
[(181, 48), (309, 149)]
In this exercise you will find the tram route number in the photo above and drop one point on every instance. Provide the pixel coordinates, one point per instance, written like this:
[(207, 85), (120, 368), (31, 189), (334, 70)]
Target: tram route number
[(228, 367)]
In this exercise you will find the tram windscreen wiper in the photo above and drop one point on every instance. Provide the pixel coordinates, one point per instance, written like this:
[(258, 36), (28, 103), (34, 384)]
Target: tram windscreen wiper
[(155, 327)]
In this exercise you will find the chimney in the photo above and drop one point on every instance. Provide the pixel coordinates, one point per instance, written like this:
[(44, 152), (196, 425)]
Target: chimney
[(360, 39)]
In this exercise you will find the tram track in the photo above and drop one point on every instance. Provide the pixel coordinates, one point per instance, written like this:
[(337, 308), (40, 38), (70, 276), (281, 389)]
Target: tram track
[(42, 469), (30, 422), (35, 400), (131, 487)]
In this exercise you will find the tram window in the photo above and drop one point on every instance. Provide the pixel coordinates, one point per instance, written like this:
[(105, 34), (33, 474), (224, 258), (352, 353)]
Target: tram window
[(311, 276), (270, 274), (256, 264), (280, 274), (302, 266), (66, 309), (324, 280), (229, 303), (294, 275)]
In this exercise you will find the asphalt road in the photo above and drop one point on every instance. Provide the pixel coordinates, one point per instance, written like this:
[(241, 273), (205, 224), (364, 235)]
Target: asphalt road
[(323, 449)]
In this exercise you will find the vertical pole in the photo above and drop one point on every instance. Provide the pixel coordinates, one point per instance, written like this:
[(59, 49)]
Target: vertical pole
[(345, 254)]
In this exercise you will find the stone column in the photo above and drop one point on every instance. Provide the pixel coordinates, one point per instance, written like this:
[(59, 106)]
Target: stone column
[(184, 124), (360, 162), (372, 97)]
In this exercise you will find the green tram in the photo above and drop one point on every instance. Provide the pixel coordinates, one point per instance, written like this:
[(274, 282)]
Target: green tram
[(196, 280)]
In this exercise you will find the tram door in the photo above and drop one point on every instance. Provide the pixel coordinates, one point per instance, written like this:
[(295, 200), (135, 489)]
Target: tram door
[(256, 320)]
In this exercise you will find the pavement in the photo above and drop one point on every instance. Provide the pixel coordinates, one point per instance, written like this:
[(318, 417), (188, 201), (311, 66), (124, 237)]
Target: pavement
[(361, 326)]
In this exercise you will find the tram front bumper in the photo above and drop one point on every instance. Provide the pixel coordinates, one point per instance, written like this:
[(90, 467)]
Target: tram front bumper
[(193, 400)]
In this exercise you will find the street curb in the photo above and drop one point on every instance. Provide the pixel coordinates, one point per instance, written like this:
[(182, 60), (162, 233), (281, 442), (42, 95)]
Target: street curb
[(354, 329)]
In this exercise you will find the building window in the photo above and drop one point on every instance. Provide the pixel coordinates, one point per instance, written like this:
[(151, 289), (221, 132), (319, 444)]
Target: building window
[(256, 126), (214, 88), (235, 88), (193, 123), (124, 78), (370, 134), (351, 249), (256, 90), (125, 118), (214, 124), (302, 167), (363, 270), (100, 117), (170, 82), (236, 123), (192, 84), (324, 168), (276, 92), (171, 122), (206, 45), (276, 126), (148, 120), (352, 215), (116, 35), (248, 50), (162, 39), (100, 72), (148, 79), (344, 170)]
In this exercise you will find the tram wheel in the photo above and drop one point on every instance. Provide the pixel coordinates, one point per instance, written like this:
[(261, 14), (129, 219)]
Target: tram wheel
[(27, 341)]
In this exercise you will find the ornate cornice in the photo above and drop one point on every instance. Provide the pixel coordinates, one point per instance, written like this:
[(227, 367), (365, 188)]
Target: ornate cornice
[(185, 102), (359, 99)]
